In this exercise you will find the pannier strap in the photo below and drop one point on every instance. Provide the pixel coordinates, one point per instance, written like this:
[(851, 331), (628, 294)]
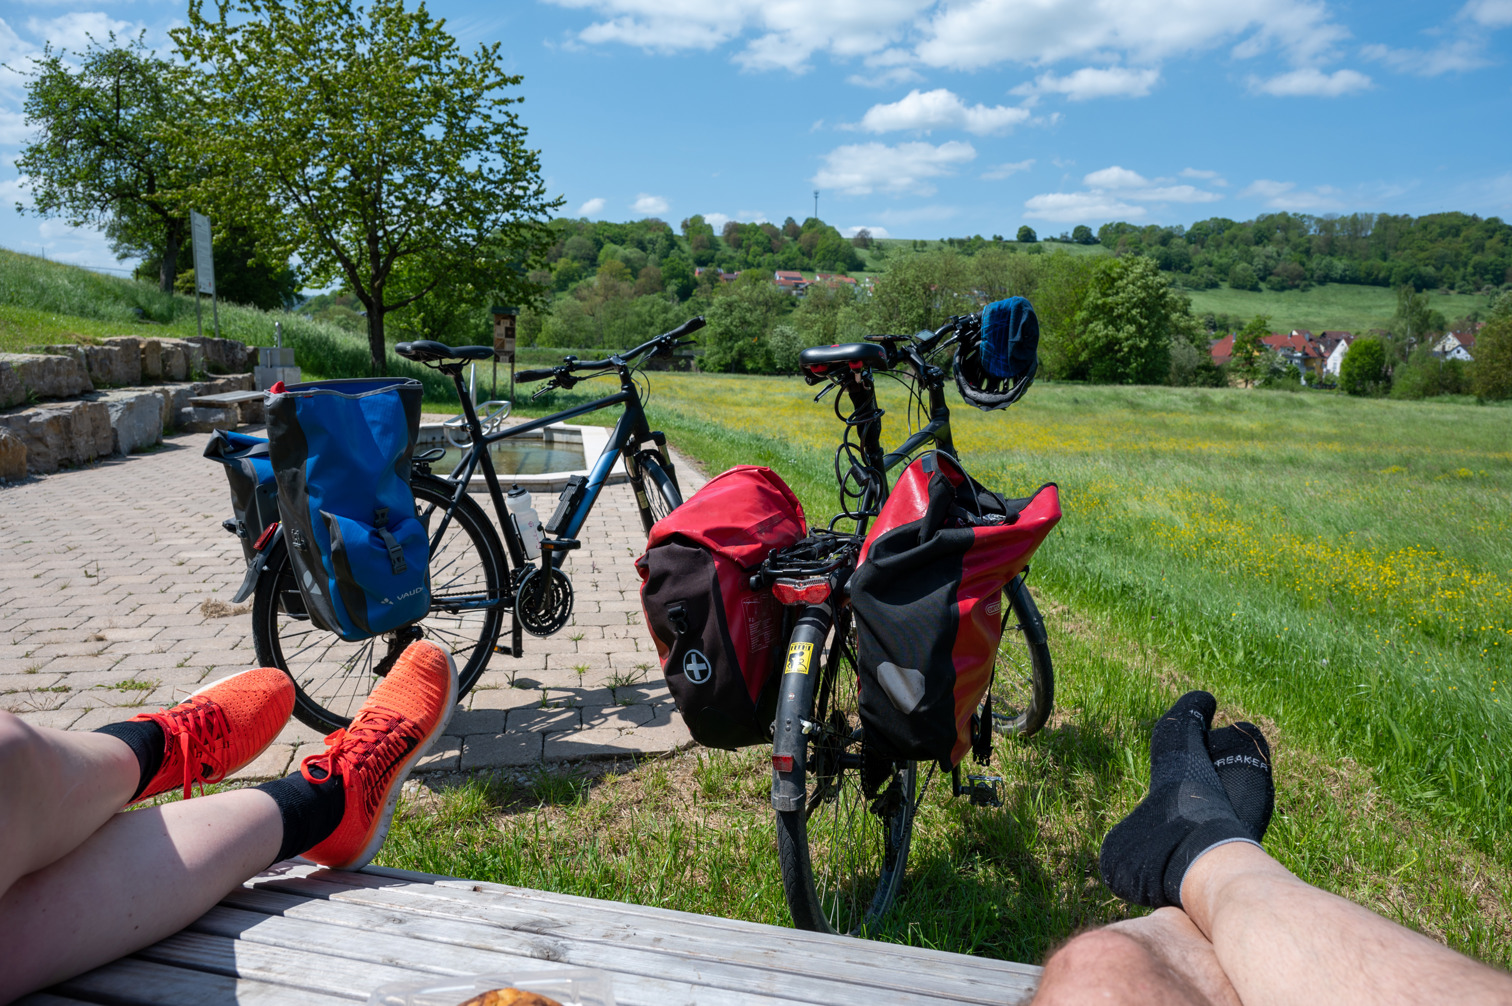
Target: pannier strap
[(678, 616), (395, 550)]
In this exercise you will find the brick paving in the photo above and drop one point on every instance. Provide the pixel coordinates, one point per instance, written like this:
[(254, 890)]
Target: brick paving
[(104, 569)]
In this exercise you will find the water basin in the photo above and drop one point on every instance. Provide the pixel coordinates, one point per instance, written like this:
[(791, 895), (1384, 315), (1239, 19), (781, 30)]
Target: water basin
[(522, 456)]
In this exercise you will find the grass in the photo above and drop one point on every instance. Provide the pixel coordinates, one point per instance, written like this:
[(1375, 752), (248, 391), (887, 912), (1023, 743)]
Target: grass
[(1330, 307), (1337, 570)]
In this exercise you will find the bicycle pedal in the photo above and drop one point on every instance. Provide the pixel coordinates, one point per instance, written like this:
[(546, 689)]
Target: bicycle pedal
[(985, 790)]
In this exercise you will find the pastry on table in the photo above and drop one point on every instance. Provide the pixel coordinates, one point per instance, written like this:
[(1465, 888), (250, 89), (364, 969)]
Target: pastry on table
[(510, 997)]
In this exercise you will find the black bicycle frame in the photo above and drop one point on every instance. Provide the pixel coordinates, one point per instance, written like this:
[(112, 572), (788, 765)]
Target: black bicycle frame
[(629, 434)]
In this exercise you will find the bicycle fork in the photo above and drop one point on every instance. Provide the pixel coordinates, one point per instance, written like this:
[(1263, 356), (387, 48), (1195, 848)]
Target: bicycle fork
[(801, 669)]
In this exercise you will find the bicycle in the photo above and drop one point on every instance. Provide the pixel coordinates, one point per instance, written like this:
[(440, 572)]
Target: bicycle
[(474, 577), (845, 822)]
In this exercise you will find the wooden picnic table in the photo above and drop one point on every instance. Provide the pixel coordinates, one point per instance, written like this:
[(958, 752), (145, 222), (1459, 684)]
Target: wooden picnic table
[(302, 934), (225, 398)]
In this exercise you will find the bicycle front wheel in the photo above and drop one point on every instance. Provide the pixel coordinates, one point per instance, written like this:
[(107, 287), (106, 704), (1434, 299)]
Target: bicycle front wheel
[(333, 677), (656, 491), (843, 854), (1023, 684)]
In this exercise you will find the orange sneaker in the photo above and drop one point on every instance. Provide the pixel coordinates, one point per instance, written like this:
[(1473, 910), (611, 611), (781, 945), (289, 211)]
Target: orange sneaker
[(220, 728), (395, 726)]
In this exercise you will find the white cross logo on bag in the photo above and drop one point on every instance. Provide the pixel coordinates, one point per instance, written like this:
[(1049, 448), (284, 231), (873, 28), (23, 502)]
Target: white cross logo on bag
[(697, 667)]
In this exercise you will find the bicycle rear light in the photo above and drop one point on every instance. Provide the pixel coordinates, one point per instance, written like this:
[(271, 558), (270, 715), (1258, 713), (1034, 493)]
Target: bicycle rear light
[(263, 538), (782, 763), (811, 591)]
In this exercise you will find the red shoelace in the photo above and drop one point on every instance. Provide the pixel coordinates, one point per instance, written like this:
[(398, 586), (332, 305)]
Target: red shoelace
[(192, 727), (375, 741)]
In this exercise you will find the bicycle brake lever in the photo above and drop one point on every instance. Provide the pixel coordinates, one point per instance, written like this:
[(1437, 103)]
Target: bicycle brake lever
[(549, 385)]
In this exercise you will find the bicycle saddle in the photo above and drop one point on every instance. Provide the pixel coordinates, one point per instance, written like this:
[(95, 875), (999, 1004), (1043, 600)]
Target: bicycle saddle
[(426, 350), (855, 354)]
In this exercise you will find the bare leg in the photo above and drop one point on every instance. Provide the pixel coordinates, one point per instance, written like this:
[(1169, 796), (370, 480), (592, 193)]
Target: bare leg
[(1159, 958), (1280, 940), (92, 775), (144, 875)]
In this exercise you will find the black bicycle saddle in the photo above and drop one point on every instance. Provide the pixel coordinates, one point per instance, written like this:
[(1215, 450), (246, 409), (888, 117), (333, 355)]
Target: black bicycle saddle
[(426, 350), (821, 358)]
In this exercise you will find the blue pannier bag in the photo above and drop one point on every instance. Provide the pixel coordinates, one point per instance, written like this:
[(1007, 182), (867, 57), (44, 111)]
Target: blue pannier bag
[(341, 456), (1010, 337), (254, 493)]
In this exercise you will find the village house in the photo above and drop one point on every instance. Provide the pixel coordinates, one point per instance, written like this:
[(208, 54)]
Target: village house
[(1455, 346), (791, 281)]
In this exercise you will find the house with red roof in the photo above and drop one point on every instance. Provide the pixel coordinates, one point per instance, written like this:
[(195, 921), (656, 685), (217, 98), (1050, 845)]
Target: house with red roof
[(791, 281), (1337, 347), (1455, 346), (1222, 350)]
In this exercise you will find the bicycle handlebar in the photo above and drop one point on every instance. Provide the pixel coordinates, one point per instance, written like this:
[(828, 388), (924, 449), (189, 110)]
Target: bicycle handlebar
[(667, 340)]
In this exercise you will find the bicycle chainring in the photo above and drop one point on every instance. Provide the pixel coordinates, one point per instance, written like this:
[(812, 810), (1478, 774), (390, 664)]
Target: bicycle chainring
[(543, 602)]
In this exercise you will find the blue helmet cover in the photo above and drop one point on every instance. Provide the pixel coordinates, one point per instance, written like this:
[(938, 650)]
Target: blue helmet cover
[(1010, 338)]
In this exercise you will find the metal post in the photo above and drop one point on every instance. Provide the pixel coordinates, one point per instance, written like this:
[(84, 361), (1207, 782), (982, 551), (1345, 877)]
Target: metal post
[(215, 311)]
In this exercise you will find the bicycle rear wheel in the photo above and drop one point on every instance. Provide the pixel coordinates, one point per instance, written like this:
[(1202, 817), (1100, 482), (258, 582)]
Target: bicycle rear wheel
[(1023, 685), (844, 854), (333, 677), (656, 491)]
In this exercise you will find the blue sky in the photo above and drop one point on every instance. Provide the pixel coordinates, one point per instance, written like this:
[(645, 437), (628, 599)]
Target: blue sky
[(933, 119)]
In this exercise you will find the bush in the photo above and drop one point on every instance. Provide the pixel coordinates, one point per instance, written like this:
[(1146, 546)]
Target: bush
[(1493, 354), (1242, 277), (1363, 370)]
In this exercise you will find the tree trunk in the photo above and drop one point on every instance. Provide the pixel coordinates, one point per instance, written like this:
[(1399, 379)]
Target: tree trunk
[(168, 267), (376, 348)]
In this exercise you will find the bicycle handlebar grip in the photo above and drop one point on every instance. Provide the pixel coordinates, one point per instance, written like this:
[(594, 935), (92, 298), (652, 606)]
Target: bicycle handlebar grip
[(526, 376), (687, 328)]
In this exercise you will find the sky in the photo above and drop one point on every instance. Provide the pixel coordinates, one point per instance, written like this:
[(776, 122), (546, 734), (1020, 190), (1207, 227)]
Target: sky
[(939, 118)]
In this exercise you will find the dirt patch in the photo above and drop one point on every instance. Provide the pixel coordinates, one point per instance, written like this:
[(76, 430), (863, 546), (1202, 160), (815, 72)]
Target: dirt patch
[(215, 608)]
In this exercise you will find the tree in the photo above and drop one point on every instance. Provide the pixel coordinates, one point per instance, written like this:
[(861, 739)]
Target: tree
[(105, 155), (1249, 349), (1363, 370), (362, 140), (863, 238), (921, 291), (1413, 322), (740, 319), (1026, 235), (1493, 354), (1082, 235), (1242, 277), (1126, 324), (677, 277)]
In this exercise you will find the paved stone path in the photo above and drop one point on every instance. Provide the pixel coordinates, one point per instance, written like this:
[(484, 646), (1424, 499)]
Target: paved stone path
[(104, 571)]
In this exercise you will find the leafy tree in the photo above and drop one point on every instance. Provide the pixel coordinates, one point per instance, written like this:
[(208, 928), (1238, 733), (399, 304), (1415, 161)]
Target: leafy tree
[(1249, 350), (1413, 322), (105, 154), (1082, 235), (1126, 324), (922, 291), (1026, 235), (1242, 277), (364, 141), (1493, 354), (863, 238), (1001, 274), (790, 229), (677, 277), (739, 319), (1363, 370)]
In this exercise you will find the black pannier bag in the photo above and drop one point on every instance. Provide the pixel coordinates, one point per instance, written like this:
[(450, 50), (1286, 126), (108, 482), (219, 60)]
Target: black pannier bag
[(718, 639), (254, 493), (929, 604)]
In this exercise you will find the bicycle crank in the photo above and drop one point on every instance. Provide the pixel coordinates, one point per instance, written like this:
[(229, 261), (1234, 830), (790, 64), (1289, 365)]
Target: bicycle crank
[(543, 602)]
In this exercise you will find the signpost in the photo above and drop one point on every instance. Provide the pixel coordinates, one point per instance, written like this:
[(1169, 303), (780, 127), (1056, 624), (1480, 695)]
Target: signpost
[(204, 270), (504, 345)]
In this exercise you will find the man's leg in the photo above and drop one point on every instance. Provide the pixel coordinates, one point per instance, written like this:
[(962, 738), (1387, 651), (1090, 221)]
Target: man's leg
[(1159, 958), (1280, 940)]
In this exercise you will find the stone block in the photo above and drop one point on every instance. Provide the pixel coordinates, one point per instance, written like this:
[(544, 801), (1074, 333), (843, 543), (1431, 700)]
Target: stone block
[(42, 375), (152, 360), (136, 418), (67, 433), (221, 356), (126, 361), (201, 419), (12, 457), (175, 360)]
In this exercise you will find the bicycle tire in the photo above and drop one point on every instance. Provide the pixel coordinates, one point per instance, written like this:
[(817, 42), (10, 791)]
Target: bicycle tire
[(860, 845), (1023, 685), (333, 677), (656, 491)]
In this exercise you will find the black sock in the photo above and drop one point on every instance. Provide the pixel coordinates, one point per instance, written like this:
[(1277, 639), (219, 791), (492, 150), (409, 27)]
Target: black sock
[(310, 811), (1243, 762), (146, 740), (1145, 857)]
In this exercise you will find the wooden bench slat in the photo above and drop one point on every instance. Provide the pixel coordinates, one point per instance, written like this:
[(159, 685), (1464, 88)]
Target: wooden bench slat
[(596, 935), (131, 981)]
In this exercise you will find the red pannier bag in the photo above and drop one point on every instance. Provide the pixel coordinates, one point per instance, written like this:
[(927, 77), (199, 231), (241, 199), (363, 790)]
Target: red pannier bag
[(718, 638), (929, 604)]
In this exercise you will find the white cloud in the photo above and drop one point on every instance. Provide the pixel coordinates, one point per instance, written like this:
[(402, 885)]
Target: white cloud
[(716, 221), (939, 109), (13, 129), (1080, 207), (650, 205), (1132, 185), (1453, 56), (1285, 196), (1489, 13), (1095, 82), (1002, 171), (872, 229), (592, 207), (862, 168), (1211, 177), (1115, 178), (1309, 82), (12, 191), (74, 31), (886, 78)]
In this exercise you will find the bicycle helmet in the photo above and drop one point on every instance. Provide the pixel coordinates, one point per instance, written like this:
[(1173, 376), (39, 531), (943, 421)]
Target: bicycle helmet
[(997, 359)]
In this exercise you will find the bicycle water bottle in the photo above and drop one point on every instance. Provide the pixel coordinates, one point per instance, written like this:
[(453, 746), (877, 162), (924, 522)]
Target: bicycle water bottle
[(526, 521)]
